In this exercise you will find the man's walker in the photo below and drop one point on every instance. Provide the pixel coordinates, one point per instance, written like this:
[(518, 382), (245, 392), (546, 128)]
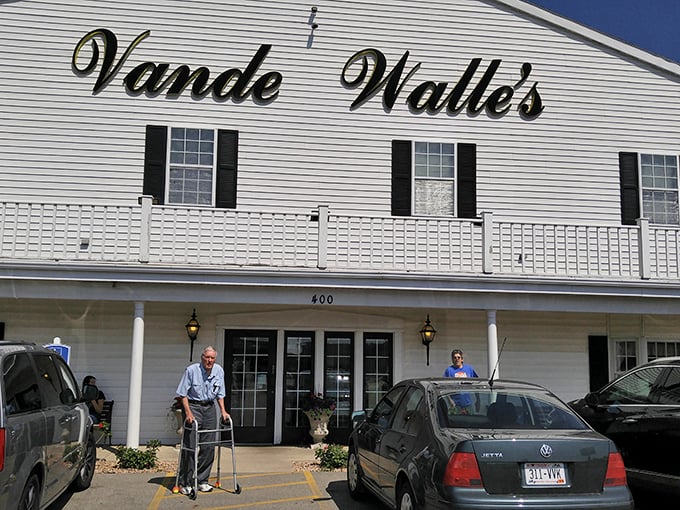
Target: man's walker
[(195, 437)]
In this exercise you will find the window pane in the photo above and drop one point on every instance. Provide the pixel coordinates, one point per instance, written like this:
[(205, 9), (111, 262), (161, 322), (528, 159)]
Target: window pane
[(299, 378), (434, 178), (191, 171), (338, 376), (659, 178), (377, 367)]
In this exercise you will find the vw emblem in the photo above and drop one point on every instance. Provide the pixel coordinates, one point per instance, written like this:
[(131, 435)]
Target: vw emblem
[(546, 451)]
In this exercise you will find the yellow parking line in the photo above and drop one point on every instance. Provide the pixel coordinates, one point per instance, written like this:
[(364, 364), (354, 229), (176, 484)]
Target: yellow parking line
[(316, 494), (316, 491), (160, 493)]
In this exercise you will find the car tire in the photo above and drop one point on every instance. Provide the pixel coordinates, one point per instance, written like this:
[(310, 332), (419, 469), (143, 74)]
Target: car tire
[(85, 474), (30, 496), (357, 489), (406, 499)]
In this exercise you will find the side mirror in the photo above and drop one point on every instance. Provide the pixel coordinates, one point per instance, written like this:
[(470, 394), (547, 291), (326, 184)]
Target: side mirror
[(358, 417), (592, 399)]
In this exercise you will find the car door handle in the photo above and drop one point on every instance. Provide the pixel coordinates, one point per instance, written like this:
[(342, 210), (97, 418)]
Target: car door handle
[(629, 420)]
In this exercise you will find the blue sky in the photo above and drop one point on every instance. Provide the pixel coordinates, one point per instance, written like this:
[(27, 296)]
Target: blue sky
[(652, 25)]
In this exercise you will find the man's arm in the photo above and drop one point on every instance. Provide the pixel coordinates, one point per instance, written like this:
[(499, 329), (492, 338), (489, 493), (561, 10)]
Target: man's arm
[(187, 410), (223, 411)]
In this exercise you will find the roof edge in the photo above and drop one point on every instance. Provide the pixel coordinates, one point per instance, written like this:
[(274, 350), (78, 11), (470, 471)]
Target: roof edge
[(576, 28)]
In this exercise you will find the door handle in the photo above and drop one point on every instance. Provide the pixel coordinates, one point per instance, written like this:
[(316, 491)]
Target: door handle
[(629, 420)]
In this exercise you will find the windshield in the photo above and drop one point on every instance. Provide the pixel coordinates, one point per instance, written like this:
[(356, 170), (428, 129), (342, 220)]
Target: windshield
[(501, 409)]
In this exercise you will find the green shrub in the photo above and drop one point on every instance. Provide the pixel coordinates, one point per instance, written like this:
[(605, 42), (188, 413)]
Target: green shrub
[(331, 456), (133, 458)]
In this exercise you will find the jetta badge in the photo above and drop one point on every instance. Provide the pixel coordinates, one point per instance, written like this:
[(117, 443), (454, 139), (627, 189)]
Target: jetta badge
[(546, 451)]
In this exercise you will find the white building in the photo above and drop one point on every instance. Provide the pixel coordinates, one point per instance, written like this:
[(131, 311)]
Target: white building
[(315, 179)]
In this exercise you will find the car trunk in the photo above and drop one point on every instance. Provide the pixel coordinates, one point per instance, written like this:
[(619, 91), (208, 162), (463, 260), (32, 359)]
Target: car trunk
[(568, 462)]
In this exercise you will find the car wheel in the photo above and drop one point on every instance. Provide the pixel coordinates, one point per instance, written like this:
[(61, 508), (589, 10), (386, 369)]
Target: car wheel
[(84, 478), (406, 500), (30, 497), (356, 486)]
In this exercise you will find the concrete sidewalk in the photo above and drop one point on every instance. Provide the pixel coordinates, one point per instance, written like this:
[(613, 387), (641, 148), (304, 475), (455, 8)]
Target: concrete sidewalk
[(249, 459)]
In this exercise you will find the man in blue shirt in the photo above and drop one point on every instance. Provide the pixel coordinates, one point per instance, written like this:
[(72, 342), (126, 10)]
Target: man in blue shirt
[(463, 401), (201, 386)]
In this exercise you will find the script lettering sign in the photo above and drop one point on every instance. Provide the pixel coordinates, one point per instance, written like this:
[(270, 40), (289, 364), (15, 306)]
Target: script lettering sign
[(431, 96)]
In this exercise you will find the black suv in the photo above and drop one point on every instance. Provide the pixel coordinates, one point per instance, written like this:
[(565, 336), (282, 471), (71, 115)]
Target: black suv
[(46, 439), (640, 412)]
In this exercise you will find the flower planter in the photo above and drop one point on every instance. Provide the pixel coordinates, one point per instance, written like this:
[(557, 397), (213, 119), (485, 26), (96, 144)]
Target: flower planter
[(318, 424)]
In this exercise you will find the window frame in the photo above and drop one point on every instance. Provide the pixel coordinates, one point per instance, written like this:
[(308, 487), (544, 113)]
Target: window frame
[(651, 189), (453, 179), (169, 166)]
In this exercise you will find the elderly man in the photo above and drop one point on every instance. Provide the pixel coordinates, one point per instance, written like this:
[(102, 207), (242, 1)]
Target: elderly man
[(201, 386)]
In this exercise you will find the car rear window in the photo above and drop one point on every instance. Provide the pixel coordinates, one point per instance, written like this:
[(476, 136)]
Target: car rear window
[(21, 385), (504, 410)]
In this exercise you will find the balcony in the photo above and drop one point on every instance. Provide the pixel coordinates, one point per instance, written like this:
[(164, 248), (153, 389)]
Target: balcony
[(170, 236)]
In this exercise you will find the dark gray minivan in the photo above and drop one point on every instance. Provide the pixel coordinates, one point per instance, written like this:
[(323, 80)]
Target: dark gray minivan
[(46, 438)]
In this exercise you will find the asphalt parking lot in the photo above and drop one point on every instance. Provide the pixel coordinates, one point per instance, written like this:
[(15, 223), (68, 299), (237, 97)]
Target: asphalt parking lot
[(153, 491), (266, 479)]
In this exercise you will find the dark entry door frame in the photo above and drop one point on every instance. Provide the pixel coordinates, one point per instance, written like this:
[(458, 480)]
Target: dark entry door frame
[(250, 367)]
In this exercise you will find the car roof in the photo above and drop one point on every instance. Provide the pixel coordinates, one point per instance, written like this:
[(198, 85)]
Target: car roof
[(671, 360), (8, 346), (444, 383)]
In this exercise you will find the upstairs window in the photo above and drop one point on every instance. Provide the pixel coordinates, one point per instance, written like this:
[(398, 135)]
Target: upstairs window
[(434, 182), (434, 179), (649, 188), (659, 178), (192, 168)]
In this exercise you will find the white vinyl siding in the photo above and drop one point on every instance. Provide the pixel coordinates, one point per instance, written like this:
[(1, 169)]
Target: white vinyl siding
[(561, 165)]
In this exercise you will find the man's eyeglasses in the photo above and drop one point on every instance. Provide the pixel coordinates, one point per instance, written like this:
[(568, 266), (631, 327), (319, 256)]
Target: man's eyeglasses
[(457, 357)]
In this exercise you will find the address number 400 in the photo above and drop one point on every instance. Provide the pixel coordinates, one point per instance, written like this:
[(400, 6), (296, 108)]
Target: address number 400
[(322, 299)]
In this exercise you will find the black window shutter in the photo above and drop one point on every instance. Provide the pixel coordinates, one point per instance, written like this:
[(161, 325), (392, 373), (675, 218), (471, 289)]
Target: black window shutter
[(154, 162), (467, 180), (630, 193), (227, 166), (401, 178)]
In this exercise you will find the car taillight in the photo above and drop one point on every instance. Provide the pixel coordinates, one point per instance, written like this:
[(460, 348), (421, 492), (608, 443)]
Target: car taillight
[(2, 449), (616, 471), (462, 471)]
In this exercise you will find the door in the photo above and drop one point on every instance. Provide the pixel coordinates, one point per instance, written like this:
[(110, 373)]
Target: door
[(250, 363), (298, 380)]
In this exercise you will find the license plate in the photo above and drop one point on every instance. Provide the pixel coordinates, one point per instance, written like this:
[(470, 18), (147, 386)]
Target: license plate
[(544, 474)]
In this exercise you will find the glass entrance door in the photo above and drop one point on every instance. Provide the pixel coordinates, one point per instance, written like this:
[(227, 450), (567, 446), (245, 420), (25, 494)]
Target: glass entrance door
[(250, 357)]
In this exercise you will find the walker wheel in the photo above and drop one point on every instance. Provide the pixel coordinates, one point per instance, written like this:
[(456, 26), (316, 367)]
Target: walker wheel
[(238, 488), (218, 484), (192, 494), (175, 490)]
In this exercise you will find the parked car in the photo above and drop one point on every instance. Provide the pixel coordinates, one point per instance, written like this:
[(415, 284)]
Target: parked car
[(46, 437), (515, 446), (640, 412)]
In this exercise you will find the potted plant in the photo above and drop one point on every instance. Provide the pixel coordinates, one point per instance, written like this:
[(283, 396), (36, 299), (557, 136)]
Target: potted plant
[(319, 409)]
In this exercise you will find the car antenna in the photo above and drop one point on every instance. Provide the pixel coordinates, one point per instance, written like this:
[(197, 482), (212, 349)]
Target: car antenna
[(497, 361)]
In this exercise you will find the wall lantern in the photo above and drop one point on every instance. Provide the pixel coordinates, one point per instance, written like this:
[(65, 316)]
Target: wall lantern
[(427, 335), (192, 331)]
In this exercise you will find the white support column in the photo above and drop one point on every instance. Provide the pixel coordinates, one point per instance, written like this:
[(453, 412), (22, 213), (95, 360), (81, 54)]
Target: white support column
[(492, 343), (136, 368)]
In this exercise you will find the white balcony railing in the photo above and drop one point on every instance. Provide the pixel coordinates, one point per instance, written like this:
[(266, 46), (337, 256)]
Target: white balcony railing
[(174, 236)]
